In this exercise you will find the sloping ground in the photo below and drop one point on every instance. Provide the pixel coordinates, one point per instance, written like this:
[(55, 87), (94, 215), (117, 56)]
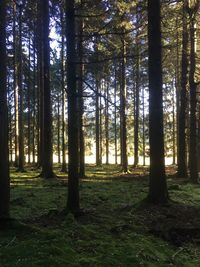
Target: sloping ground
[(117, 228)]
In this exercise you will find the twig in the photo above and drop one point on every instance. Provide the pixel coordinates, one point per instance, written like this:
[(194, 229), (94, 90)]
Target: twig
[(14, 238), (177, 252)]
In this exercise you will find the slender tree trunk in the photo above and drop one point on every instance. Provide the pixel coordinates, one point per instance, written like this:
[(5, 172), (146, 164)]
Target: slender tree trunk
[(182, 166), (136, 115), (97, 121), (15, 68), (39, 85), (123, 112), (143, 128), (4, 155), (28, 101), (100, 128), (115, 120), (157, 183), (80, 100), (198, 139), (64, 165), (10, 135), (174, 129), (193, 106), (73, 204), (47, 160), (34, 98), (177, 85), (21, 104), (58, 129), (107, 122)]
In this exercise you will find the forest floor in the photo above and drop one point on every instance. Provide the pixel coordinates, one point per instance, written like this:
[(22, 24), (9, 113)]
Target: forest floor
[(117, 228)]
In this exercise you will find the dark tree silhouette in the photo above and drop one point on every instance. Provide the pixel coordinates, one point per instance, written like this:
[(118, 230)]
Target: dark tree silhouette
[(4, 162), (47, 160), (73, 155), (182, 165), (157, 187)]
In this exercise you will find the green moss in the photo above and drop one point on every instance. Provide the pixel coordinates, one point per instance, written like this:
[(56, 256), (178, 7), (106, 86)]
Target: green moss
[(110, 233)]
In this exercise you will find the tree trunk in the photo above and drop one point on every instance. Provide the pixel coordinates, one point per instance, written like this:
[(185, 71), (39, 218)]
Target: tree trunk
[(15, 68), (143, 129), (47, 161), (107, 122), (136, 113), (4, 157), (182, 166), (21, 104), (97, 125), (80, 100), (157, 184), (39, 85), (124, 160), (64, 165), (73, 150), (28, 101), (58, 129), (193, 106)]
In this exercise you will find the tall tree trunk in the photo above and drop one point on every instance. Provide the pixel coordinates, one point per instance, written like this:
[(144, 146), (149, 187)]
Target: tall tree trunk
[(58, 129), (177, 86), (47, 160), (143, 129), (193, 106), (174, 128), (123, 111), (100, 127), (157, 184), (73, 204), (4, 157), (182, 166), (34, 98), (198, 139), (21, 104), (115, 113), (80, 99), (97, 123), (137, 96), (39, 85), (107, 122), (136, 113), (15, 68), (28, 101), (64, 165)]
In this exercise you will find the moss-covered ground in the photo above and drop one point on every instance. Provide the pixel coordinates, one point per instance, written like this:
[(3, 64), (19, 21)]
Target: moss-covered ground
[(117, 227)]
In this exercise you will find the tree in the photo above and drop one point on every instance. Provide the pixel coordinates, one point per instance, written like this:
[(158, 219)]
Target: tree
[(124, 159), (182, 167), (4, 158), (47, 160), (73, 149), (157, 185), (64, 165), (193, 168)]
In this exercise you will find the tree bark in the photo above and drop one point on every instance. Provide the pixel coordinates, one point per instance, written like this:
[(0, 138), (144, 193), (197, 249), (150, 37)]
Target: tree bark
[(4, 157), (47, 160), (64, 165), (73, 204), (157, 180), (20, 95), (182, 166), (124, 160), (193, 106), (80, 99)]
